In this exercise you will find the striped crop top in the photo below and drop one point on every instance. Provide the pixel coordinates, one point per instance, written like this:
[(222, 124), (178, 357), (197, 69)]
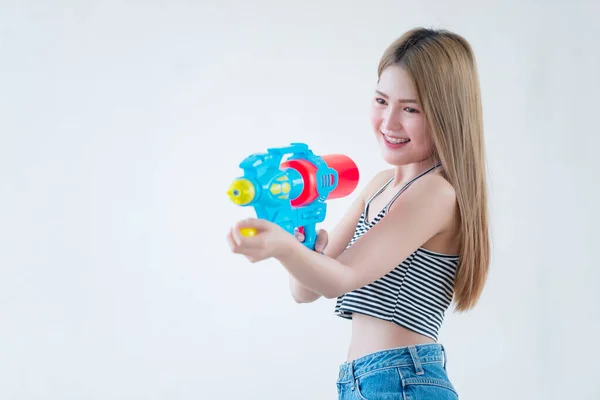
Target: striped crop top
[(415, 294)]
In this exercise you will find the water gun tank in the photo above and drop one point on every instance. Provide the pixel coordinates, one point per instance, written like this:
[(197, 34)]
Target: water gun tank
[(348, 177)]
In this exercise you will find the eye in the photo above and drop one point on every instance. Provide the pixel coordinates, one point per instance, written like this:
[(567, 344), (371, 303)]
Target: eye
[(411, 110), (380, 100)]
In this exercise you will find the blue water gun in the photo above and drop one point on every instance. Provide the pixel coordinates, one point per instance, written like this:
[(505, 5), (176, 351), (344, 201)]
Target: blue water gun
[(292, 193)]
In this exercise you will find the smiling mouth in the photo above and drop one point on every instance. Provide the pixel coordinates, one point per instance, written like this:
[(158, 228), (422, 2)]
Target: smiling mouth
[(394, 140)]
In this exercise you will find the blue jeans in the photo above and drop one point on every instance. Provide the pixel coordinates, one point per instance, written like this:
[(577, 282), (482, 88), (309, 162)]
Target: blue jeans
[(407, 373)]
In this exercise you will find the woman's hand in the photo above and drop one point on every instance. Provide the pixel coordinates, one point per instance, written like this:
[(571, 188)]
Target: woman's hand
[(269, 241), (320, 243)]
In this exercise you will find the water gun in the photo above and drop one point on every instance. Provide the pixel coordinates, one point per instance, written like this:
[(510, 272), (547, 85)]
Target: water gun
[(292, 193)]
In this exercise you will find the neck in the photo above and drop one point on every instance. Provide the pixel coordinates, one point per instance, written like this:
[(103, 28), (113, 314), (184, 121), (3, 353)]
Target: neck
[(404, 173)]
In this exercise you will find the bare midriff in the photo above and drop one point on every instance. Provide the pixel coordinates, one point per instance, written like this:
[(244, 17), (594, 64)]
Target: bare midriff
[(371, 334)]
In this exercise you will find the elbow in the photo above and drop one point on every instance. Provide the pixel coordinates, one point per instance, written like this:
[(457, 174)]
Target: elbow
[(303, 298), (300, 300), (338, 290), (315, 296), (297, 298), (331, 294)]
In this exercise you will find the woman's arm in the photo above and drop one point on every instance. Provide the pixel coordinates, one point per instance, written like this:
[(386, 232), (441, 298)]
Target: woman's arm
[(420, 213), (340, 236), (301, 293)]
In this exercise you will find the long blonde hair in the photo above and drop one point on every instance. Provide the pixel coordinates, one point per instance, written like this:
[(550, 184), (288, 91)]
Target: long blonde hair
[(443, 68)]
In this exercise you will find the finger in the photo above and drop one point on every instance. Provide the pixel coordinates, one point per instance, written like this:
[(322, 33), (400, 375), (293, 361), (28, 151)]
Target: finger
[(229, 238), (322, 240), (247, 229), (256, 223), (236, 236), (299, 235), (232, 245), (246, 246), (253, 242), (246, 243)]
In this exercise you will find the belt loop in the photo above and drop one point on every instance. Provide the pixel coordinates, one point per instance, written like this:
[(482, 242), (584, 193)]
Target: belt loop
[(352, 377), (444, 355), (346, 372), (416, 361), (342, 373)]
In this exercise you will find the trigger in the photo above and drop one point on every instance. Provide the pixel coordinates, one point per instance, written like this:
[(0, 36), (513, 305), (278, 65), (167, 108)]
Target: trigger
[(301, 230)]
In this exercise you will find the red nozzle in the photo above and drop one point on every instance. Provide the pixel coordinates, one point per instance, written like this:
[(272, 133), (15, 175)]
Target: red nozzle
[(348, 177)]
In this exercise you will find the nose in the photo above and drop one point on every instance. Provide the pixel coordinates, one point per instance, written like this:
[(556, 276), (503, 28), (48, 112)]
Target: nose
[(391, 120)]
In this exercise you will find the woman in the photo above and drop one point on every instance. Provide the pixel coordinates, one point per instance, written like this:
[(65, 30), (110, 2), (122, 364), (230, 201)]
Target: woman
[(416, 239)]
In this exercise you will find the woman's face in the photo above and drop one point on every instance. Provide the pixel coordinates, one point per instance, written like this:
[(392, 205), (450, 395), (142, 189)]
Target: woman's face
[(398, 119)]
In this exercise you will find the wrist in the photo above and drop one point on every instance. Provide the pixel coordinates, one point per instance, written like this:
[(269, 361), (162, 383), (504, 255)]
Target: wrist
[(287, 248)]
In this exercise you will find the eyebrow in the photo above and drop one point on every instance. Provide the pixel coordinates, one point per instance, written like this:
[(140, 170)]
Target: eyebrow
[(401, 100)]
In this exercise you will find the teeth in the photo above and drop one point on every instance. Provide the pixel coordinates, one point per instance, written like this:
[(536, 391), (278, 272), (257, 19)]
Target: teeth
[(392, 140)]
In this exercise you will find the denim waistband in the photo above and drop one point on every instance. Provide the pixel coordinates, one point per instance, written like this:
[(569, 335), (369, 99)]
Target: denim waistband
[(415, 356)]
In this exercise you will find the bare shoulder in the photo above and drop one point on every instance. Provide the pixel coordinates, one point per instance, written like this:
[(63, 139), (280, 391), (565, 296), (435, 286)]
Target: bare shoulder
[(376, 182), (438, 186), (430, 193)]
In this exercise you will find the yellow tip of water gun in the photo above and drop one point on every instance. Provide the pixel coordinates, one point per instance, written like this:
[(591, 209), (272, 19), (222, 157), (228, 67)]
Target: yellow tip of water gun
[(241, 191)]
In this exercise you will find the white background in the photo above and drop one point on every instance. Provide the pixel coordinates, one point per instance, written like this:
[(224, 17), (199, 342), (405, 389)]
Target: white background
[(123, 123)]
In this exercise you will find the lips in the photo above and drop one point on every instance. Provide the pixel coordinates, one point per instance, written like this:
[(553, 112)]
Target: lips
[(395, 139)]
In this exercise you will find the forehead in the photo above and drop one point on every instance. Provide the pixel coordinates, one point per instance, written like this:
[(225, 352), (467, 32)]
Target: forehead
[(395, 82)]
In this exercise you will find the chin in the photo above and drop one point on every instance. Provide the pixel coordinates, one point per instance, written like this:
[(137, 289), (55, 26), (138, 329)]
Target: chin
[(393, 158), (395, 161)]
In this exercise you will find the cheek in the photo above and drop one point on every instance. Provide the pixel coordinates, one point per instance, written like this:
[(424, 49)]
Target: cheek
[(418, 131), (425, 139), (376, 118)]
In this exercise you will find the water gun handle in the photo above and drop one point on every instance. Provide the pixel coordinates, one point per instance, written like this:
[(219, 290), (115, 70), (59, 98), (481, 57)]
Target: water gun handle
[(310, 235)]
